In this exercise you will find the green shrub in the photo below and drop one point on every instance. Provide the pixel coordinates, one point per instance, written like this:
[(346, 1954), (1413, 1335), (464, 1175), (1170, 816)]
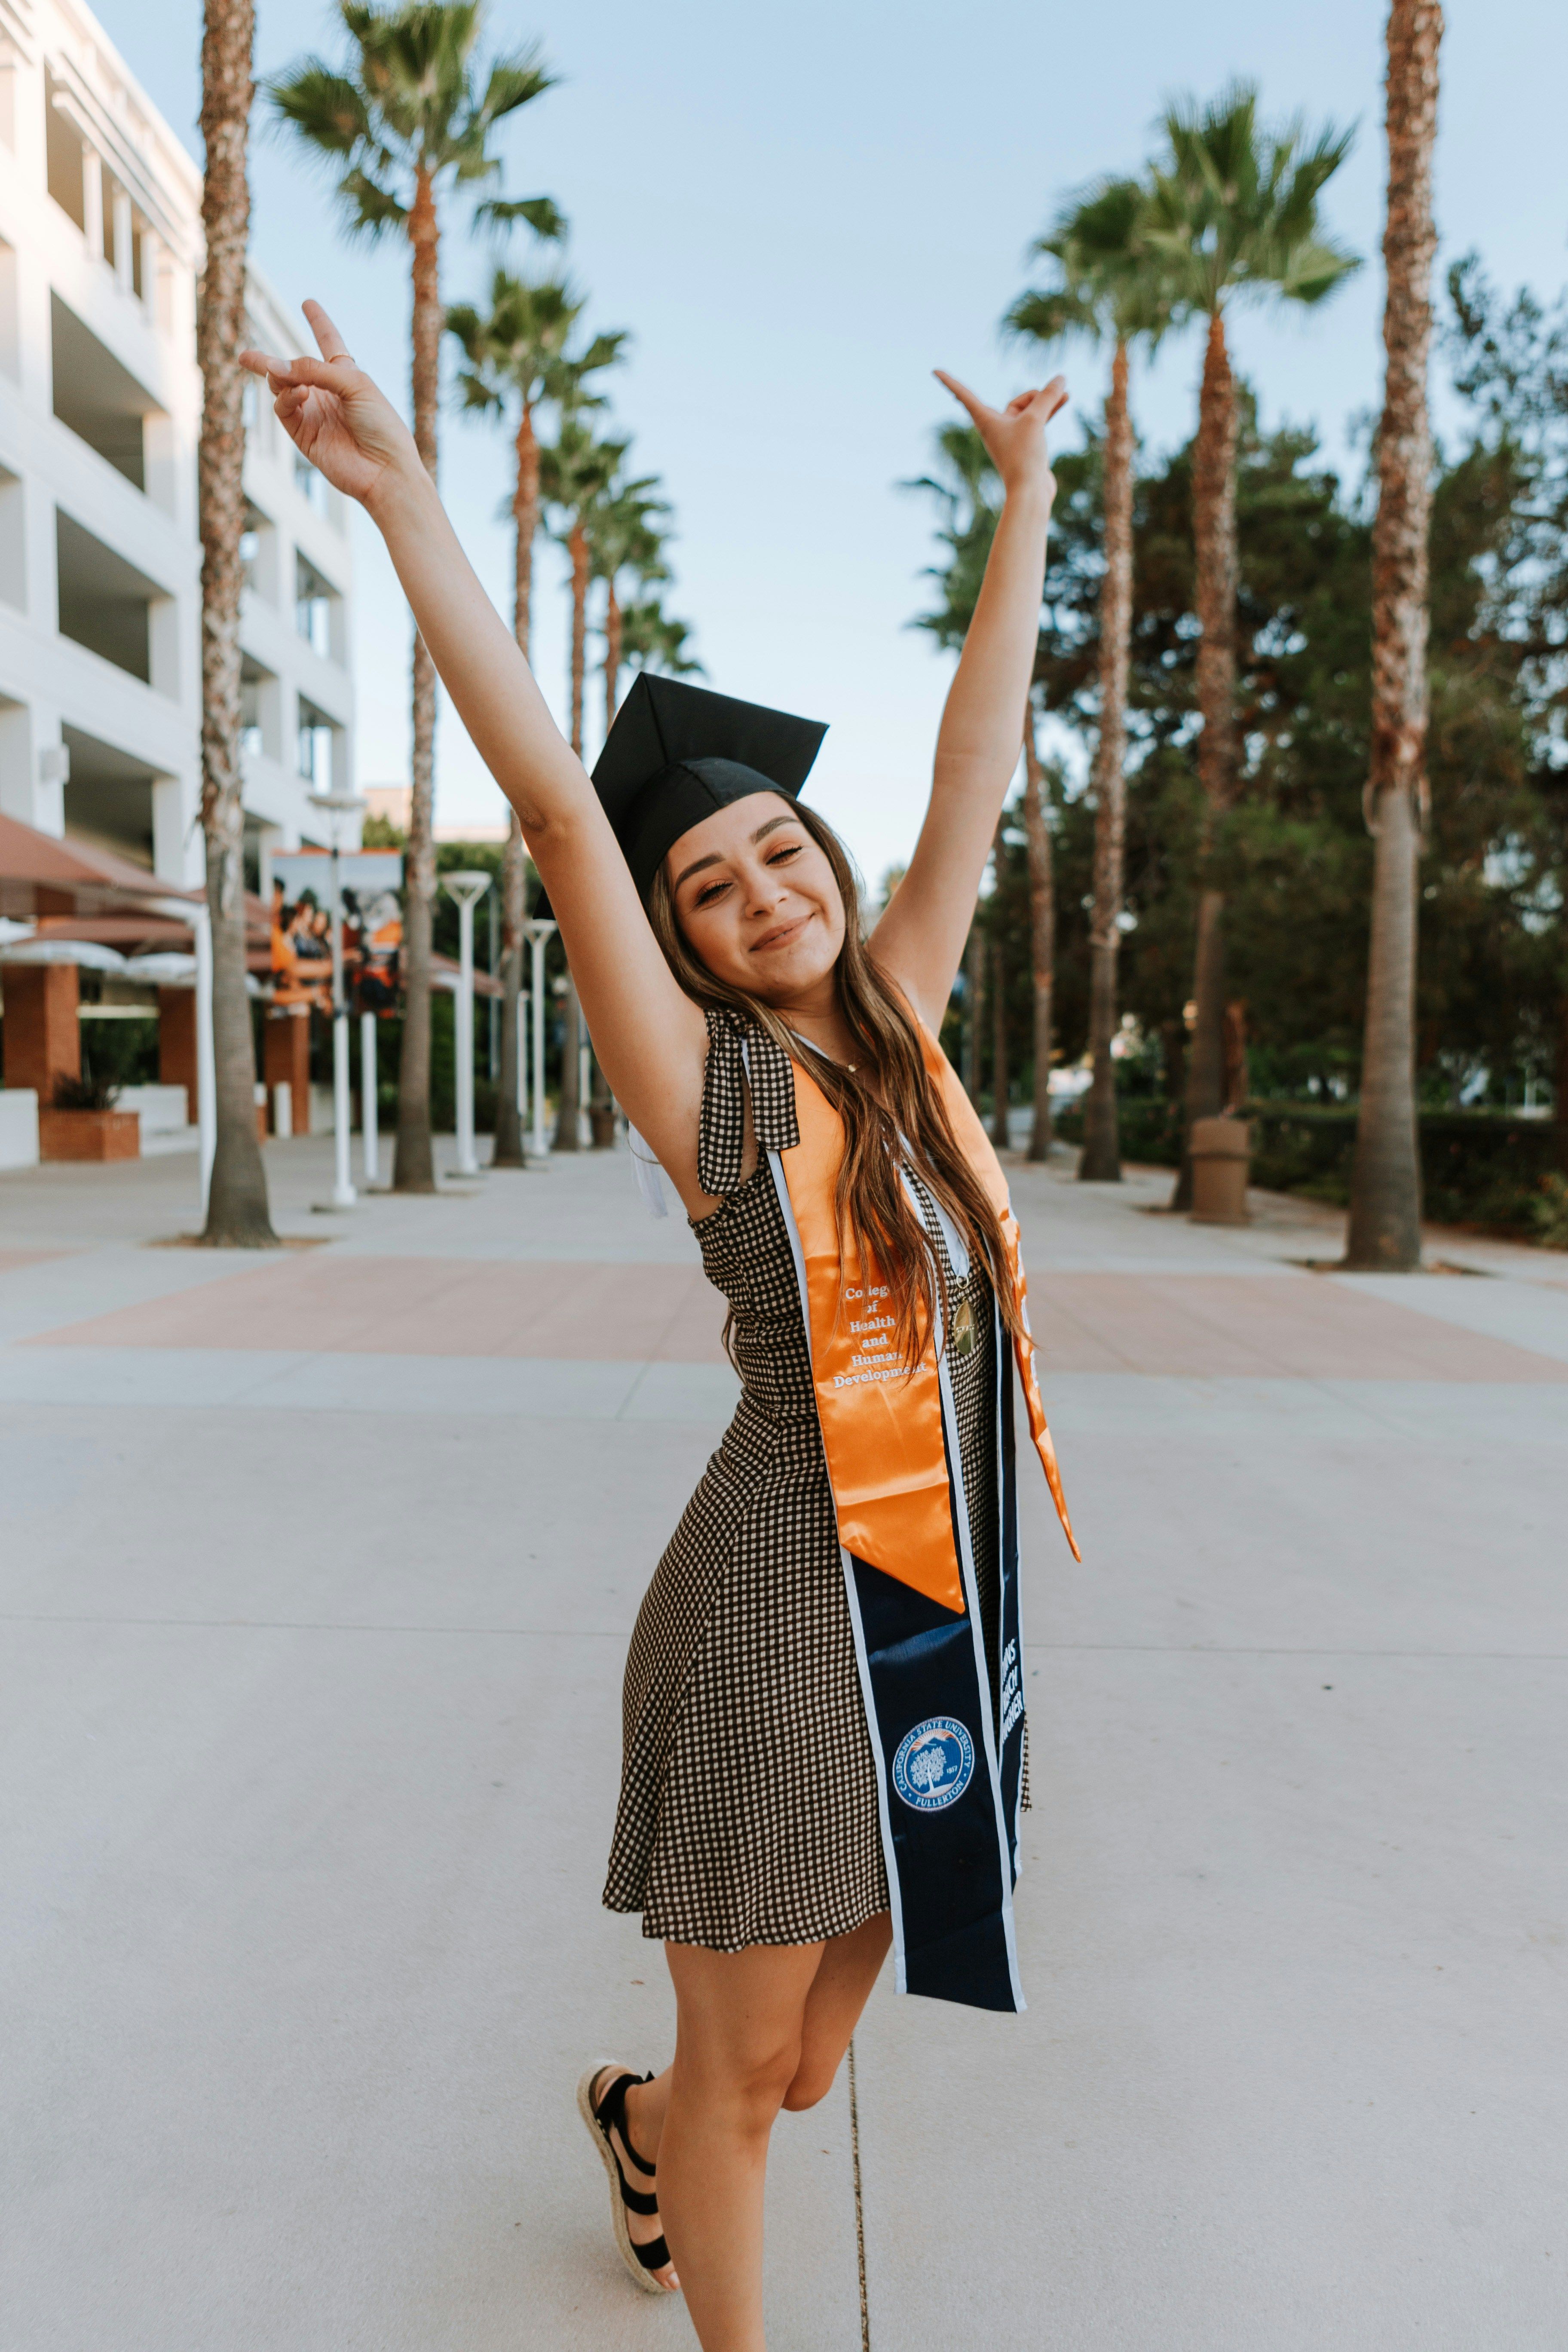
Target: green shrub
[(1549, 1211), (1486, 1168)]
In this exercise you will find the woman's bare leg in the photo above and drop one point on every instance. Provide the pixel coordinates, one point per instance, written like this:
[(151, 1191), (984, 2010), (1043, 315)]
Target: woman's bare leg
[(815, 1998), (840, 1991), (739, 2017)]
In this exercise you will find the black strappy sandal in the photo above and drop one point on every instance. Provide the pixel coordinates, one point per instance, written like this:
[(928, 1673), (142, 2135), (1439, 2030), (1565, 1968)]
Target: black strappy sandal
[(610, 2115)]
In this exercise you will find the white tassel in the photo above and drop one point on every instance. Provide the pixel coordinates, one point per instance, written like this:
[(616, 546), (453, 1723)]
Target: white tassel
[(645, 1170)]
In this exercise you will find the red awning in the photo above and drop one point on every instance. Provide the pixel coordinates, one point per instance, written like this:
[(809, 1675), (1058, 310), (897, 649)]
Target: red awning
[(40, 875)]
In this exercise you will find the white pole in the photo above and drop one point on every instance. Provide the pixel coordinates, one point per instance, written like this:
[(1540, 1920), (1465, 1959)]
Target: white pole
[(467, 1164), (584, 1082), (206, 1059), (468, 889), (536, 1144), (522, 1005), (536, 933), (344, 1195), (369, 1110)]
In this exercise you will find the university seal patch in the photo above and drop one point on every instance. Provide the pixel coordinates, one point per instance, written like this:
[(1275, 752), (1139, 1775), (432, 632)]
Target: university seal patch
[(934, 1765)]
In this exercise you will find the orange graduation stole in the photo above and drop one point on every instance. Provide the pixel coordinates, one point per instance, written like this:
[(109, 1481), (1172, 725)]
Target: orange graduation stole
[(882, 1423)]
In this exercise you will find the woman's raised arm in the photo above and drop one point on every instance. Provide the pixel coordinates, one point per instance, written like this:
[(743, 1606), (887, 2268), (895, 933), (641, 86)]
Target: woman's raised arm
[(649, 1036), (920, 939)]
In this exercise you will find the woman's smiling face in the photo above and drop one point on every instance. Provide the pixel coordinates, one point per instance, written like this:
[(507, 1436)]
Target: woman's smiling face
[(756, 899)]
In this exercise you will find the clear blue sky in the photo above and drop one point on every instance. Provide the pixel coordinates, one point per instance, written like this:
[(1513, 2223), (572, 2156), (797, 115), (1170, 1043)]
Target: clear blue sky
[(799, 211)]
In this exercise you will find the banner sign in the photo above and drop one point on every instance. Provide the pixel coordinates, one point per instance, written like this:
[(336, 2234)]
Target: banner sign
[(370, 880)]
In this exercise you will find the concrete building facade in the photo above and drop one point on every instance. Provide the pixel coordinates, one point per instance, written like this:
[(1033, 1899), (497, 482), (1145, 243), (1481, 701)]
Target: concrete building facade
[(100, 554)]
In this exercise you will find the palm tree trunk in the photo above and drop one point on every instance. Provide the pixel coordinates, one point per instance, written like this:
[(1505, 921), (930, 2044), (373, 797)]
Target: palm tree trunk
[(611, 656), (999, 1077), (975, 1008), (509, 1147), (1100, 1161), (238, 1213), (509, 1150), (1385, 1227), (525, 519), (414, 1166), (1213, 538), (566, 1135), (578, 546), (1042, 935)]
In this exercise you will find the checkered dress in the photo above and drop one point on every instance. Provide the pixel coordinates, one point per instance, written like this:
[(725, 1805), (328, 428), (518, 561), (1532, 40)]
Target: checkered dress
[(748, 1808)]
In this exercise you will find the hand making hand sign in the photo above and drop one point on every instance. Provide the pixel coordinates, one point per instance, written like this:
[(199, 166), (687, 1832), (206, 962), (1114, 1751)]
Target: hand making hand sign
[(335, 415)]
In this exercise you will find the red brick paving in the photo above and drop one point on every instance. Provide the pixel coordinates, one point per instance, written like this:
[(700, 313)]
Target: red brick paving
[(1193, 1326)]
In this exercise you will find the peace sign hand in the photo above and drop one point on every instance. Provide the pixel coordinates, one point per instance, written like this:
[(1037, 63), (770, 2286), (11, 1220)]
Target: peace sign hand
[(334, 415), (1014, 436)]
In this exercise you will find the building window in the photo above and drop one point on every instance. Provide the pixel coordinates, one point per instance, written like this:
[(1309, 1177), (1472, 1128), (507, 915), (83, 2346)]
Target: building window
[(111, 221), (316, 732), (97, 397), (259, 554), (64, 158), (313, 597), (259, 711), (310, 485), (105, 604)]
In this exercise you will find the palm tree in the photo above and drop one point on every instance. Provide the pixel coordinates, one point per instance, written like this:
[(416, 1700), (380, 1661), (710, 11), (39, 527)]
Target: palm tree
[(1385, 1227), (1111, 287), (653, 639), (624, 536), (1042, 929), (238, 1213), (511, 354), (576, 471), (413, 114), (970, 495), (1233, 213)]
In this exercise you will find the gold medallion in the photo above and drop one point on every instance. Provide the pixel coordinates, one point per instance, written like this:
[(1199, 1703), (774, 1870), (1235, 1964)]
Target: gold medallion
[(963, 1329)]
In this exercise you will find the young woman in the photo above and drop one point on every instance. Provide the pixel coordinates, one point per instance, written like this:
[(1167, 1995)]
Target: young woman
[(823, 1717)]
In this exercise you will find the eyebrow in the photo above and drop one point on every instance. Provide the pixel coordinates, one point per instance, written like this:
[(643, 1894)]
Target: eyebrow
[(714, 858)]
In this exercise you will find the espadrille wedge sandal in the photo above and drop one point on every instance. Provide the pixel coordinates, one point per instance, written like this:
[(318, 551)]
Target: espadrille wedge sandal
[(604, 2116)]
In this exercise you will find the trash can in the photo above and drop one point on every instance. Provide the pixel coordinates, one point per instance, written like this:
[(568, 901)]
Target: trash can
[(1221, 1150)]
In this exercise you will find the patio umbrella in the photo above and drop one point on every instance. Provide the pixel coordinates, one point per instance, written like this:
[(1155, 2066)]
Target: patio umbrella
[(166, 968), (88, 954)]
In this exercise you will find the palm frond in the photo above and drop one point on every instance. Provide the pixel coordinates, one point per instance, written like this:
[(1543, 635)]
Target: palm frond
[(370, 207), (542, 215), (1111, 280), (514, 81), (325, 107), (1233, 206)]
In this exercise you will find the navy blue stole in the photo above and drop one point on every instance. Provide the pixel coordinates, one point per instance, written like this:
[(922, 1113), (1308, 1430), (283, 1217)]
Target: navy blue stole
[(949, 1772)]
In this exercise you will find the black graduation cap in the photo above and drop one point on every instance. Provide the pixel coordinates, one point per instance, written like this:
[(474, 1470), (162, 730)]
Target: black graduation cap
[(677, 752)]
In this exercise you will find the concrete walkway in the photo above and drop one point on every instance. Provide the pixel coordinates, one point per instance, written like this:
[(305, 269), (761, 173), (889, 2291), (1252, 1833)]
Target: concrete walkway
[(317, 1577)]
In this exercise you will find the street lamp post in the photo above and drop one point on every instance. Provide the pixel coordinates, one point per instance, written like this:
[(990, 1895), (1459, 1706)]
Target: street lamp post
[(197, 914), (369, 1108), (536, 933), (335, 806), (468, 889)]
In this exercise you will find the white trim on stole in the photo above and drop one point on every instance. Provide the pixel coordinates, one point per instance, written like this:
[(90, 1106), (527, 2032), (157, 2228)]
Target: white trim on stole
[(960, 1258)]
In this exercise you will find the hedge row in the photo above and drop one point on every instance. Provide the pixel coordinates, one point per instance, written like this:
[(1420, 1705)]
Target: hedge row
[(1477, 1168)]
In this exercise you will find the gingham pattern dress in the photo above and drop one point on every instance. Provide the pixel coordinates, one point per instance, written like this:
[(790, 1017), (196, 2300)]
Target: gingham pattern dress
[(748, 1807)]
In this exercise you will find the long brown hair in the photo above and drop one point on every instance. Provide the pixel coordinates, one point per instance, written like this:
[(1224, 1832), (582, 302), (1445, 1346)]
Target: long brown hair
[(891, 1112)]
